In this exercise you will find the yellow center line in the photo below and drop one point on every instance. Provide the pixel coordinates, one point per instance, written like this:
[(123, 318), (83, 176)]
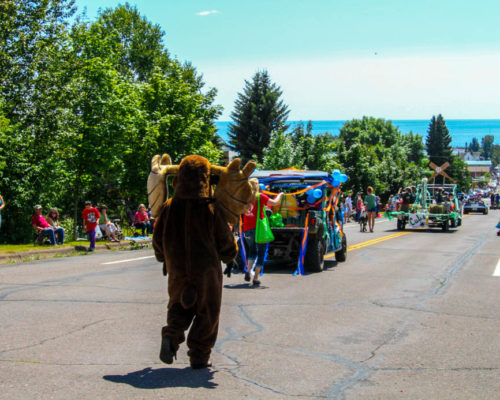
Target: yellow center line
[(372, 242)]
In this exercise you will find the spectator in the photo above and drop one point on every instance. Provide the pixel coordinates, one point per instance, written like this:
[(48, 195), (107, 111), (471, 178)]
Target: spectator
[(53, 221), (348, 203), (41, 225), (90, 216), (371, 207), (359, 206), (141, 220), (2, 205), (106, 226)]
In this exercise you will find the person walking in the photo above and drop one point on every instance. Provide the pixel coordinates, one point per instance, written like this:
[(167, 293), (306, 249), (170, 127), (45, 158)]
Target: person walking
[(256, 251), (90, 216), (371, 207), (348, 203)]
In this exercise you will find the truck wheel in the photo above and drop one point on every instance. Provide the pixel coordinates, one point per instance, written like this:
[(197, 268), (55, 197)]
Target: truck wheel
[(398, 225), (340, 255), (446, 226), (485, 211), (314, 256)]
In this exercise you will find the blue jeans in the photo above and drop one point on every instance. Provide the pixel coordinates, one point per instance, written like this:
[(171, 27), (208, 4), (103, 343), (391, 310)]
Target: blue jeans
[(92, 239), (256, 251), (51, 234)]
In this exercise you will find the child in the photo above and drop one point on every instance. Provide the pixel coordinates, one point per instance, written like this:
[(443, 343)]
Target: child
[(90, 217)]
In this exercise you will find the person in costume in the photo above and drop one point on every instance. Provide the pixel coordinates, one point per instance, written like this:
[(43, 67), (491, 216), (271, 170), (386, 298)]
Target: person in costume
[(256, 251), (191, 237)]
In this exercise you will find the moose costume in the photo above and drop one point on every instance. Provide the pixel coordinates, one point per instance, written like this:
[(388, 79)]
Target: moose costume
[(192, 237)]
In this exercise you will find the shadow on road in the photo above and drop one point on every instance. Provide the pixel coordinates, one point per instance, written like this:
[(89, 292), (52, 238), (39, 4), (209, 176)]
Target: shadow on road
[(149, 378)]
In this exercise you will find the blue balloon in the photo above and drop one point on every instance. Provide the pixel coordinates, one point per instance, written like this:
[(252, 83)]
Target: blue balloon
[(336, 183), (318, 193), (310, 199), (336, 172), (343, 178), (262, 186)]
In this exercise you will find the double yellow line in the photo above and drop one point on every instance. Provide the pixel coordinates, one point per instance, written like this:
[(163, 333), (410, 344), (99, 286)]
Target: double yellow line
[(372, 242)]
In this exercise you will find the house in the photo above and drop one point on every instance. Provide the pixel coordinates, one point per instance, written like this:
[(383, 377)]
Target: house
[(478, 169)]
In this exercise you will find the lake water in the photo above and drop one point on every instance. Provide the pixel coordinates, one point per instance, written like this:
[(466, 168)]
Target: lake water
[(461, 130)]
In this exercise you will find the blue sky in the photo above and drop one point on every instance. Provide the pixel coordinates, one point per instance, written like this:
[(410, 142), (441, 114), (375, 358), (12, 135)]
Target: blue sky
[(341, 59)]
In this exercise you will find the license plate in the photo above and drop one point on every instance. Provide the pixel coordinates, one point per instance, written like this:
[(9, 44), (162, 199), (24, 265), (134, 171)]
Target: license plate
[(474, 209)]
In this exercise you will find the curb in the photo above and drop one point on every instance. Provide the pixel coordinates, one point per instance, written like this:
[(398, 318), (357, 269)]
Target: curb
[(30, 255)]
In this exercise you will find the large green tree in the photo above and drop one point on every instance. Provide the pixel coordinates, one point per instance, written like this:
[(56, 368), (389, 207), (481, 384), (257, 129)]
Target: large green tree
[(373, 152), (438, 141), (487, 146), (258, 111), (84, 106)]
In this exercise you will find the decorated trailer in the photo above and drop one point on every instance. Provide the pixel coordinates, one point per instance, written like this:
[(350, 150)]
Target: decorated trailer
[(435, 206), (306, 224)]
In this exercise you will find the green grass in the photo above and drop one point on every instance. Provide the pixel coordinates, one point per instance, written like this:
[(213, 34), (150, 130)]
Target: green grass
[(12, 248)]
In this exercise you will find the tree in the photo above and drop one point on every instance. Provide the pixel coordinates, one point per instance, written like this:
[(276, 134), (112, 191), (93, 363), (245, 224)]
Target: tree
[(474, 145), (373, 152), (487, 146), (258, 111), (438, 141)]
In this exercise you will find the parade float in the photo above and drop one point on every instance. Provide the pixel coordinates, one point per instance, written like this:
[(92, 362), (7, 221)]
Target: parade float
[(435, 205), (306, 224)]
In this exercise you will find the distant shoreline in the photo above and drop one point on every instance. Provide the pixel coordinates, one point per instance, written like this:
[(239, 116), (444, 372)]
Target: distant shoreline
[(462, 131)]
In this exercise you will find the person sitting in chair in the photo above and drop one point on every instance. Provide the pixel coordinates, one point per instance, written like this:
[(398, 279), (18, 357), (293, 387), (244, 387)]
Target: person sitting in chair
[(141, 220), (43, 228)]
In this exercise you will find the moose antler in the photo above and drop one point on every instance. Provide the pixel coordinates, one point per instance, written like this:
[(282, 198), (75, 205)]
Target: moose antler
[(233, 191)]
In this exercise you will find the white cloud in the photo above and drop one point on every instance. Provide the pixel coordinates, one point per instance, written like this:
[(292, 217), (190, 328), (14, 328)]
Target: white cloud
[(205, 13)]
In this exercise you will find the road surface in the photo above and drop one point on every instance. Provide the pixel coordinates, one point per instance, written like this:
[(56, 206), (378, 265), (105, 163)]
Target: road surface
[(409, 315)]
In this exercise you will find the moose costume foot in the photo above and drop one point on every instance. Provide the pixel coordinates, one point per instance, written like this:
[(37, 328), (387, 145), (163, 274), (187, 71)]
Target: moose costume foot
[(167, 355), (207, 364)]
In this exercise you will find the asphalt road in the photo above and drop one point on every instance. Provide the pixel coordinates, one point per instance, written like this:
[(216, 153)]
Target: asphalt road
[(409, 315)]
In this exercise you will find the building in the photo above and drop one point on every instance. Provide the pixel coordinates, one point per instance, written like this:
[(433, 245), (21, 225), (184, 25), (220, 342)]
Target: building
[(478, 169)]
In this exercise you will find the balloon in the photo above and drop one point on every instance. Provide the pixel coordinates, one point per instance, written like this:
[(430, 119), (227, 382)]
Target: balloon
[(343, 178), (318, 193), (262, 186), (310, 199), (336, 183)]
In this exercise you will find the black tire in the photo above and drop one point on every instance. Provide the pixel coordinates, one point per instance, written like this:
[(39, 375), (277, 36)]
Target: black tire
[(459, 222), (313, 261), (399, 225), (452, 223), (446, 226), (341, 255), (485, 212), (466, 211)]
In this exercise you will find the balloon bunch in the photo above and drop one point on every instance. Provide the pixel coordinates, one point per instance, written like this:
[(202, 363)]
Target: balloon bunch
[(338, 178), (313, 195)]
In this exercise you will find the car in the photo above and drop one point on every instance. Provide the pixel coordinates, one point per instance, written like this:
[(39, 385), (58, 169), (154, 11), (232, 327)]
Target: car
[(475, 205), (310, 202)]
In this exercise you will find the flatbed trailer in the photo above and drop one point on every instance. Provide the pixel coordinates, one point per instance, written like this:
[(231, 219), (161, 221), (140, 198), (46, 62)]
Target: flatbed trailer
[(425, 213)]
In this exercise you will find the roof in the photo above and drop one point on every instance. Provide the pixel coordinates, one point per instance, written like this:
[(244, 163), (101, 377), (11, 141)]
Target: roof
[(486, 163)]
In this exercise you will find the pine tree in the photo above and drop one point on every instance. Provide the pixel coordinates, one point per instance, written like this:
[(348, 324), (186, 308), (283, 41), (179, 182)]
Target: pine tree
[(258, 112), (438, 141)]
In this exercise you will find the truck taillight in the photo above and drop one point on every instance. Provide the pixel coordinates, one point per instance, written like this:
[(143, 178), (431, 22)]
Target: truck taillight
[(312, 222)]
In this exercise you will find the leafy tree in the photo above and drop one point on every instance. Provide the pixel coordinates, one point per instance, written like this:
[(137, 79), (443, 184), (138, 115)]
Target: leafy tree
[(474, 145), (258, 111), (438, 141), (487, 146), (373, 152)]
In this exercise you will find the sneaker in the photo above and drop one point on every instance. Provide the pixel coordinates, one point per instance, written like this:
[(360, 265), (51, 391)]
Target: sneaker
[(247, 276), (256, 282), (91, 249)]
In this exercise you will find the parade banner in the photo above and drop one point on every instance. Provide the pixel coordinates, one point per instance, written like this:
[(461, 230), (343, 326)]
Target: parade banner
[(417, 220)]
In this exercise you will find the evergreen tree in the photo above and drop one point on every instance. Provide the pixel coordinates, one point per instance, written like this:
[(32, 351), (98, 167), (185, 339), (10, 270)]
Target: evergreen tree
[(487, 146), (438, 141), (474, 145), (258, 112)]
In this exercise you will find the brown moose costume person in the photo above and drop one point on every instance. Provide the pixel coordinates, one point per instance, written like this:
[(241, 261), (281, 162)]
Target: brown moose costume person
[(191, 237)]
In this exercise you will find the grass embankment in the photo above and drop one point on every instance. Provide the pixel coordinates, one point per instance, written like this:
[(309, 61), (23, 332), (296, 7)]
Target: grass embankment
[(14, 248)]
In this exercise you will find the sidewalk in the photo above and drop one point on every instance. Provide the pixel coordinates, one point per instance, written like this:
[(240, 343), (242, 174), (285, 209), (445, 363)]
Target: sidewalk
[(55, 251)]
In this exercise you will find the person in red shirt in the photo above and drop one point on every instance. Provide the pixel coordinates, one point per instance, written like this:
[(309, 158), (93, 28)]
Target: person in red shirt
[(256, 251), (90, 216), (43, 228), (141, 220)]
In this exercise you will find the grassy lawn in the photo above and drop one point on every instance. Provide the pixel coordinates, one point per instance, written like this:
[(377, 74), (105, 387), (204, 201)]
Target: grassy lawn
[(12, 248)]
